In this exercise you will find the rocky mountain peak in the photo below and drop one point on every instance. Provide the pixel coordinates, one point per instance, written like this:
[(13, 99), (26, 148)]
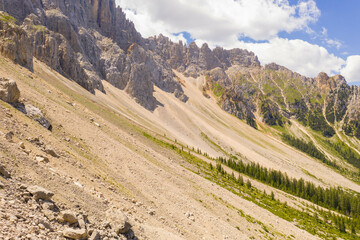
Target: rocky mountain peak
[(326, 83)]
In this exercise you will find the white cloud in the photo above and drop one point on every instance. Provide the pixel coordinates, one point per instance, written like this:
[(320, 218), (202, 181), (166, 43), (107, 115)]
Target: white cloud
[(220, 20), (333, 43), (297, 55), (352, 69)]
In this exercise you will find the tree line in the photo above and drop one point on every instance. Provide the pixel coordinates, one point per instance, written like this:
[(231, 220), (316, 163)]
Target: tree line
[(331, 198), (308, 148)]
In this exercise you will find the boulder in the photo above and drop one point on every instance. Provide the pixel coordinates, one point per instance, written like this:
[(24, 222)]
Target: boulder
[(51, 152), (75, 233), (95, 235), (9, 91), (67, 216), (118, 221), (35, 114), (4, 173), (40, 193)]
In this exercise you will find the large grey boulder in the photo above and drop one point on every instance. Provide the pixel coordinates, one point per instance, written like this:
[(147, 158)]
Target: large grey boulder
[(9, 91)]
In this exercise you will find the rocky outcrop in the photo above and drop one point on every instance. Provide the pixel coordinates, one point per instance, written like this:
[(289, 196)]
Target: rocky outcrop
[(194, 61), (9, 91), (14, 43), (89, 41), (326, 83)]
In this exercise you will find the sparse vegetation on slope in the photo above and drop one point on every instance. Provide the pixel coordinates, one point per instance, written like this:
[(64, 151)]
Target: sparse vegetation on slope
[(317, 221), (306, 147)]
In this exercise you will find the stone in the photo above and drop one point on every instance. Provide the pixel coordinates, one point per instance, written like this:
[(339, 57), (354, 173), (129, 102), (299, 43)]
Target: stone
[(40, 193), (74, 233), (22, 145), (9, 136), (48, 206), (9, 91), (37, 115), (49, 214), (2, 185), (4, 173), (67, 216), (42, 159), (51, 152), (95, 235), (118, 221), (81, 221)]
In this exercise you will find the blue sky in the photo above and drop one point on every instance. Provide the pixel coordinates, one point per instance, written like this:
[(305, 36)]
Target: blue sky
[(307, 36), (341, 19)]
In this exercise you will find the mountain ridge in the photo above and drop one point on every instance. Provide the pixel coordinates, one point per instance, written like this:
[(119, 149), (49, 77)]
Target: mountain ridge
[(68, 45)]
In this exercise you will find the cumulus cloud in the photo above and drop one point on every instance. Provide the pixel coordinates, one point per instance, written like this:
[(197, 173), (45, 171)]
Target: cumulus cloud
[(297, 55), (351, 71), (220, 20)]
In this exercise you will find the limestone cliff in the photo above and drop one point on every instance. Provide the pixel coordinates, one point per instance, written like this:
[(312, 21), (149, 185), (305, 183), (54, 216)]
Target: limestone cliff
[(88, 41)]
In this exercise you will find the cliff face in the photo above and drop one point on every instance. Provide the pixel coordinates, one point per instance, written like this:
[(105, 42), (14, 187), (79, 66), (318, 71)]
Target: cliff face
[(14, 42), (194, 61), (88, 41)]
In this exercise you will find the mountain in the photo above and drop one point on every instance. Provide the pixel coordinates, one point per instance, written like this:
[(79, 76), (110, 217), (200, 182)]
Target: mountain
[(105, 134)]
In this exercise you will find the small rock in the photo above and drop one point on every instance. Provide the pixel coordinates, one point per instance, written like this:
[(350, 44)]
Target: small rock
[(9, 136), (23, 186), (48, 206), (51, 152), (75, 233), (27, 151), (81, 221), (1, 185), (49, 214), (95, 235), (42, 159), (4, 173), (190, 216), (45, 224), (67, 216), (22, 145), (118, 221), (40, 193)]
